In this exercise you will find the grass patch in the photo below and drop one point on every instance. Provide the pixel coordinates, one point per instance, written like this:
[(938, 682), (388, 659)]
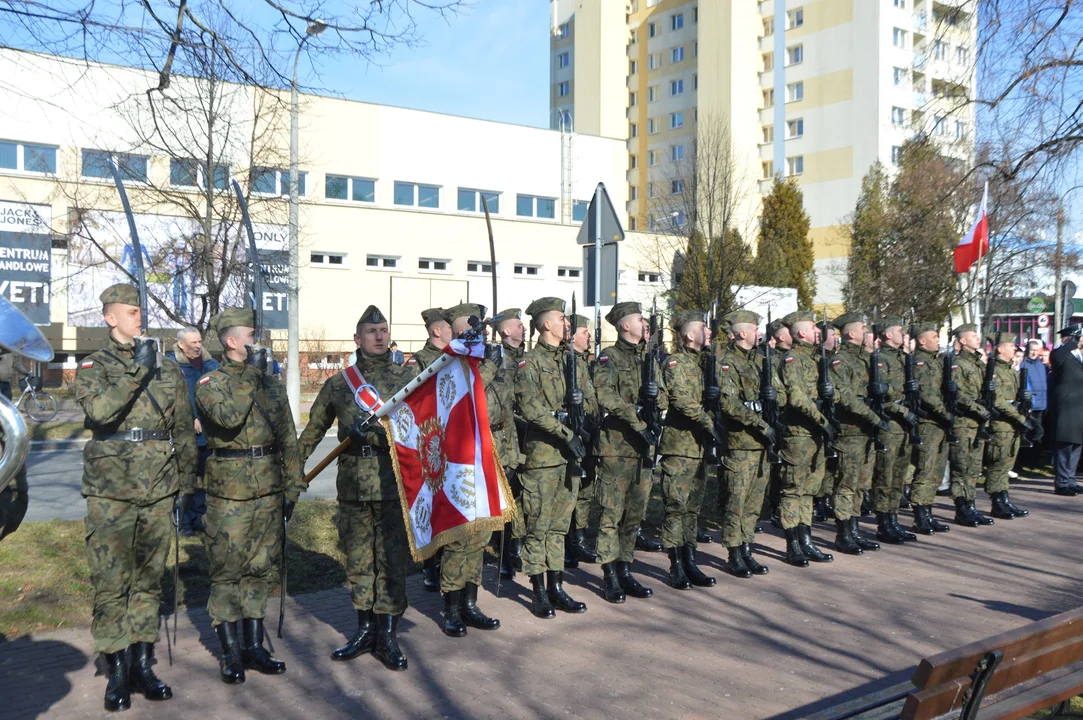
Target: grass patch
[(58, 431)]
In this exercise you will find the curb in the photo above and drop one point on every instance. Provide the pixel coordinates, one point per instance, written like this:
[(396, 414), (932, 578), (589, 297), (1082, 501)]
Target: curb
[(57, 444)]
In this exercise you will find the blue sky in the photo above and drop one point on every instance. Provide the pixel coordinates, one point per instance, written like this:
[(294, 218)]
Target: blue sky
[(491, 61)]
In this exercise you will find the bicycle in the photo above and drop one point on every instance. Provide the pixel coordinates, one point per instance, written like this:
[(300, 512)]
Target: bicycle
[(38, 405)]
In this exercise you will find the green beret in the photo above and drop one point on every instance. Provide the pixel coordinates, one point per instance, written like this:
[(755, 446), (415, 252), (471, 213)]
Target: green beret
[(371, 316), (881, 325), (684, 317), (742, 317), (120, 293), (234, 317), (843, 320), (509, 314), (774, 326), (621, 311), (581, 321), (1004, 337), (725, 327), (798, 316), (924, 327), (465, 310), (428, 316), (544, 305), (969, 327)]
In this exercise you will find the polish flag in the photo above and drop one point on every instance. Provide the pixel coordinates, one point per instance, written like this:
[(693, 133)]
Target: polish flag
[(975, 243)]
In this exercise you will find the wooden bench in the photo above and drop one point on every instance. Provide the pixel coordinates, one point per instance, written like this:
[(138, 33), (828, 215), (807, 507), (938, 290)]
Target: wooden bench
[(1004, 677)]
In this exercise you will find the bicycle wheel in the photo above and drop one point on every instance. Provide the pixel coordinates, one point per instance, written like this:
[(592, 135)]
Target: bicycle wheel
[(40, 407)]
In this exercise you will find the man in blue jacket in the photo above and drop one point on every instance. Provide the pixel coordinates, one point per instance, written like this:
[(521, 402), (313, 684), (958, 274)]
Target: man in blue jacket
[(194, 362), (1038, 385)]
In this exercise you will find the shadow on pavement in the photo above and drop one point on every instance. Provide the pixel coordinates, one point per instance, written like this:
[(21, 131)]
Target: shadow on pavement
[(869, 687), (34, 673)]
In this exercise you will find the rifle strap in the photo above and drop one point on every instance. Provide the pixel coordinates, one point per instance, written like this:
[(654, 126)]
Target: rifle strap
[(150, 396)]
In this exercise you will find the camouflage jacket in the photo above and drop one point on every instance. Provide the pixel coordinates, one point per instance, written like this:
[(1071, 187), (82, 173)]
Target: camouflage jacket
[(968, 372), (513, 354), (500, 401), (617, 380), (1007, 387), (359, 478), (115, 393), (687, 424), (929, 371), (739, 378), (893, 373), (423, 357), (241, 410), (850, 376), (798, 375)]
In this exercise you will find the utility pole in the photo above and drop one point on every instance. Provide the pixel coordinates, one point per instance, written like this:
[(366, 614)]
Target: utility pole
[(1058, 272)]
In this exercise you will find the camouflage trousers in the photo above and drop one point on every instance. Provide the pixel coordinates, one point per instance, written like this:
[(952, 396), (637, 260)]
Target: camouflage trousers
[(929, 459), (518, 524), (126, 546), (854, 470), (684, 480), (583, 502), (377, 553), (623, 491), (548, 503), (890, 471), (802, 475), (461, 561), (1000, 454), (746, 474), (965, 459), (244, 543), (830, 485)]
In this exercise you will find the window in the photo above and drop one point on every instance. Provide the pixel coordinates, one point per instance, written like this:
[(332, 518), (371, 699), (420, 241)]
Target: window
[(768, 133), (676, 22), (695, 15), (678, 55), (769, 97), (676, 153), (479, 266), (132, 167), (633, 223), (795, 165), (768, 26), (341, 187), (531, 206), (795, 55), (567, 272), (633, 162), (676, 187), (898, 116), (633, 37), (941, 50), (652, 158), (898, 37), (564, 88), (795, 128), (326, 259), (564, 30), (654, 61), (579, 210), (564, 60), (652, 222), (276, 181), (768, 170), (962, 55), (960, 130), (633, 192), (413, 194), (652, 126), (383, 262), (901, 4), (768, 61), (189, 173), (470, 200), (650, 277), (433, 265), (652, 29), (676, 120), (633, 130), (695, 49), (896, 154), (795, 92), (795, 18), (650, 191), (652, 93), (632, 66), (27, 157), (695, 82), (899, 76), (938, 125), (632, 98), (676, 87), (528, 270)]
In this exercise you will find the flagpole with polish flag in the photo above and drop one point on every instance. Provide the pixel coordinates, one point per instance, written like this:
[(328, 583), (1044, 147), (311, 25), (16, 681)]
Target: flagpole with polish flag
[(973, 246)]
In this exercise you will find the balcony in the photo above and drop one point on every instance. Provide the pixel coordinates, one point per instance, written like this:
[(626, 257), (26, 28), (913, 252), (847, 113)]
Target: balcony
[(919, 99), (921, 22)]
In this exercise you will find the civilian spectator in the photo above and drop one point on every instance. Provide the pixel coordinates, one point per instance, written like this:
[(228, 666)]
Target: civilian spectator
[(1066, 410), (1037, 384)]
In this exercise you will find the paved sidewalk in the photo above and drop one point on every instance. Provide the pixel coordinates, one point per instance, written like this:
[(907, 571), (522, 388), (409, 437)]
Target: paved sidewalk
[(779, 646)]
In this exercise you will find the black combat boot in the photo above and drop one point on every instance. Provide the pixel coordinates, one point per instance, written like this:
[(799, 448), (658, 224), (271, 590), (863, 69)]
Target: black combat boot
[(507, 564), (691, 569), (678, 579), (750, 562), (1000, 509), (933, 522), (560, 599), (795, 555), (141, 677), (978, 515), (866, 504), (829, 507), (738, 564), (904, 501), (230, 664), (387, 645), (893, 518), (885, 531), (472, 615), (855, 532), (453, 623), (570, 558), (812, 552), (819, 512), (922, 520), (430, 574), (117, 695), (1016, 510), (613, 592), (362, 642), (647, 544), (844, 540), (540, 606), (581, 550), (703, 537), (629, 584), (255, 656), (963, 516)]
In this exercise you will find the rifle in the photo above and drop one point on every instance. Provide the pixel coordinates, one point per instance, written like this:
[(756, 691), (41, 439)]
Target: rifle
[(769, 397), (711, 403), (912, 393), (826, 391), (649, 403), (949, 390), (988, 397), (574, 415), (877, 391)]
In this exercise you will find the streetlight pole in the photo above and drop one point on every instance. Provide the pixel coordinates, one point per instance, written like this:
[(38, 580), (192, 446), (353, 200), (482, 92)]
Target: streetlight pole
[(293, 321), (1058, 267)]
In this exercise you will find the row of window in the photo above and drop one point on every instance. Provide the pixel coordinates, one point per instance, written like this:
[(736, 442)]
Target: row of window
[(941, 48), (795, 55), (795, 92), (794, 19), (795, 128), (795, 165), (654, 60), (676, 22), (434, 265)]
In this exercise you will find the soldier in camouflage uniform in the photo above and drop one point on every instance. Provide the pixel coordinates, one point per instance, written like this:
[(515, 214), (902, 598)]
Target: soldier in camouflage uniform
[(802, 450), (688, 428), (252, 480), (138, 471), (625, 439), (823, 505), (511, 333), (370, 518), (968, 372), (778, 334), (860, 425), (461, 561), (931, 456), (549, 486), (1007, 428), (575, 542)]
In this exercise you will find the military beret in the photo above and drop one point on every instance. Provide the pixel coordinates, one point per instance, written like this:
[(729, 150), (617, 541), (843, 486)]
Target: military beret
[(725, 327), (372, 315), (581, 321), (465, 309), (234, 317), (509, 314), (684, 317), (774, 326), (924, 327), (621, 311), (969, 327), (843, 320), (1005, 337), (428, 316), (798, 316), (742, 317), (884, 323), (120, 293), (544, 305)]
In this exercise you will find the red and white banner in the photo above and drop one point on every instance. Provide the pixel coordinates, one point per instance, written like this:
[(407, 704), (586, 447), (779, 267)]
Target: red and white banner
[(975, 244), (451, 481)]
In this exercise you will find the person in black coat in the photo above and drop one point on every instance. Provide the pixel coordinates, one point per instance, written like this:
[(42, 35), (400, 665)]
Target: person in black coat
[(1066, 409)]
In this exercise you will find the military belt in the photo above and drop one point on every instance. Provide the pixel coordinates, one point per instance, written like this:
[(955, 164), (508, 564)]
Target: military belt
[(257, 452), (137, 435), (367, 451)]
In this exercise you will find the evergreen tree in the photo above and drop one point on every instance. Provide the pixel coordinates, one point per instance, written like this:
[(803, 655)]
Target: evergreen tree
[(784, 256), (869, 239), (694, 285)]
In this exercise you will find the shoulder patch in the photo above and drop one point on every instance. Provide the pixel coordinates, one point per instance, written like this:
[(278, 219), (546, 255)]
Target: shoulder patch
[(725, 368), (879, 364), (836, 362), (603, 358), (522, 363), (673, 363), (921, 363), (205, 379), (412, 361), (86, 364), (789, 359), (954, 367)]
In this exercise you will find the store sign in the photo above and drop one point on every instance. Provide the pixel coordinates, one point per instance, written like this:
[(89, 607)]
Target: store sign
[(26, 241)]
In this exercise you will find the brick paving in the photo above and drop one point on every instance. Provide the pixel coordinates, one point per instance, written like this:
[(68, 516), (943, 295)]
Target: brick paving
[(780, 646)]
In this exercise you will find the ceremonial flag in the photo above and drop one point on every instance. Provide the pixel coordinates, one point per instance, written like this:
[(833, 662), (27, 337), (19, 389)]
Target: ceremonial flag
[(975, 244), (451, 481)]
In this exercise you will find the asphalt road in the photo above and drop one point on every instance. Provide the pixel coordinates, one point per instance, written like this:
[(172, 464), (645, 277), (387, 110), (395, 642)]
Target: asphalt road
[(55, 476)]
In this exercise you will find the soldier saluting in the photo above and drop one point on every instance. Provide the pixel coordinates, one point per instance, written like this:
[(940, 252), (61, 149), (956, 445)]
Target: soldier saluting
[(139, 464), (253, 477)]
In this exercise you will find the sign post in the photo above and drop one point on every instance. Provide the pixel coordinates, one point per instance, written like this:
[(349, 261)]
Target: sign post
[(601, 229)]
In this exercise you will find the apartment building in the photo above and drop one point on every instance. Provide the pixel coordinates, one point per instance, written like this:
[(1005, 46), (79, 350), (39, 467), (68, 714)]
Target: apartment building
[(814, 89)]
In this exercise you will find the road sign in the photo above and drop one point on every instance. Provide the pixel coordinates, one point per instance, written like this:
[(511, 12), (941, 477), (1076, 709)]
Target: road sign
[(611, 228), (610, 267), (1043, 321), (1036, 305)]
